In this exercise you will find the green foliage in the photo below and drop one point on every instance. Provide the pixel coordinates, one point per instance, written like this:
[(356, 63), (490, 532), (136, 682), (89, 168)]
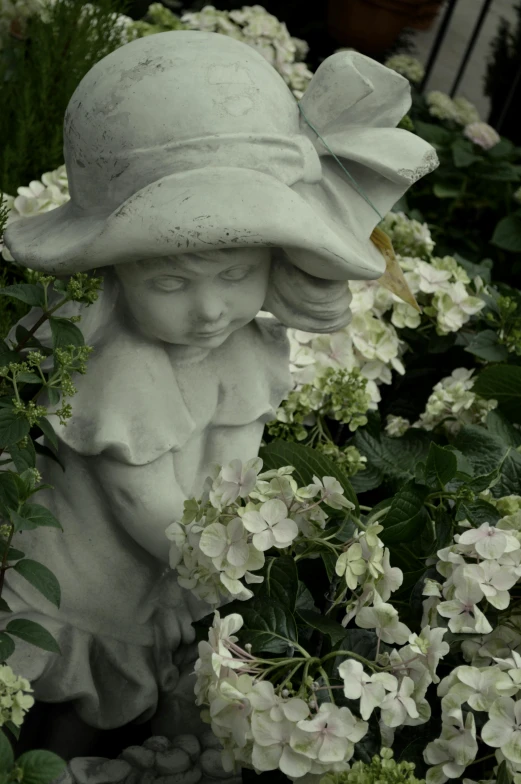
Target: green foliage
[(50, 63)]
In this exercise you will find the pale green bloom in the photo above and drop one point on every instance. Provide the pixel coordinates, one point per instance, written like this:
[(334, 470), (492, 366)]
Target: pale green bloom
[(14, 699), (407, 66), (396, 425), (482, 134)]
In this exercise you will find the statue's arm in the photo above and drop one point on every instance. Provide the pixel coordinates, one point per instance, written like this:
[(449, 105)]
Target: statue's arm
[(144, 499)]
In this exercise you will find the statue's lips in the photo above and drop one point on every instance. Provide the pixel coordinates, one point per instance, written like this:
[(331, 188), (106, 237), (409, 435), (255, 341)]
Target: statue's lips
[(215, 333)]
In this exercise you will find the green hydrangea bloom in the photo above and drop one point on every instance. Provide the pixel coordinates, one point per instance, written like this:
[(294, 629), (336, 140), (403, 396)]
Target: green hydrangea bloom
[(383, 769)]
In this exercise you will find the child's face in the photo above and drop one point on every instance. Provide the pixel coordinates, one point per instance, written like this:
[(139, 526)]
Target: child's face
[(196, 299)]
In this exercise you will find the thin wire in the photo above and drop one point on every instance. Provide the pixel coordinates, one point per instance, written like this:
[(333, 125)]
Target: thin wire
[(326, 145)]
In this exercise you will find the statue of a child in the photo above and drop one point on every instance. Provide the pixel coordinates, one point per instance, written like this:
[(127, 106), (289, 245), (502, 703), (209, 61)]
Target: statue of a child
[(203, 196)]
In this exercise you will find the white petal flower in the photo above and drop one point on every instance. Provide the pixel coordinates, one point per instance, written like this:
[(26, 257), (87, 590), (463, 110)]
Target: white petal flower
[(384, 619), (358, 685), (271, 526), (398, 704), (503, 729), (329, 736), (333, 493), (489, 541)]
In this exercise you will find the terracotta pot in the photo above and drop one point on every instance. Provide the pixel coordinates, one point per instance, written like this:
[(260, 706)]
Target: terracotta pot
[(372, 26), (427, 14)]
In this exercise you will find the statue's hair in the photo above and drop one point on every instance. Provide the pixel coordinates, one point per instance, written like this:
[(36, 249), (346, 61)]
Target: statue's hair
[(295, 298)]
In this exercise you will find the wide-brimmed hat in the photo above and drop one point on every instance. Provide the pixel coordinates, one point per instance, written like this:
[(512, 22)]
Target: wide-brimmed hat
[(186, 141)]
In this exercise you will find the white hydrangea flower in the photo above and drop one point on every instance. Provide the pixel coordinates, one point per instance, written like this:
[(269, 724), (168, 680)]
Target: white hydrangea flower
[(404, 315), (485, 685), (454, 306), (463, 612), (235, 481), (482, 134), (383, 618), (332, 492), (453, 403), (270, 525), (407, 66), (503, 729), (396, 425), (15, 699), (489, 541), (430, 646), (329, 736), (398, 704), (351, 565), (409, 236), (359, 685), (453, 750), (271, 747)]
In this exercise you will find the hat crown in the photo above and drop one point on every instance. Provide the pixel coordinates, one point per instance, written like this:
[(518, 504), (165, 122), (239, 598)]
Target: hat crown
[(168, 88)]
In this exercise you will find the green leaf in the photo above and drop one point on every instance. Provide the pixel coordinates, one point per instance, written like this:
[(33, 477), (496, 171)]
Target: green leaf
[(34, 516), (7, 646), (6, 754), (307, 462), (28, 377), (477, 512), (48, 431), (13, 427), (507, 234), (503, 774), (463, 154), (4, 607), (465, 469), (25, 292), (33, 633), (40, 578), (12, 553), (510, 479), (305, 600), (407, 516), (329, 560), (322, 623), (360, 641), (499, 426), (432, 133), (368, 479), (40, 767), (10, 489), (269, 626), (443, 191), (65, 333), (394, 457), (483, 450), (23, 458), (441, 466), (486, 345), (280, 581), (13, 729), (502, 383)]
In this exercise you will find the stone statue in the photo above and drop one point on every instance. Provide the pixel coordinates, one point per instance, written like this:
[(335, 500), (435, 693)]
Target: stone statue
[(207, 201)]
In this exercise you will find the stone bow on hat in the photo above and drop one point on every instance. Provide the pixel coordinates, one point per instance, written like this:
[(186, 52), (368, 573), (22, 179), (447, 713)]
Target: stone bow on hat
[(188, 141)]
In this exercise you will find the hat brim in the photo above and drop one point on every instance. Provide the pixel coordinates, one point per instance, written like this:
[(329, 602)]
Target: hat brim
[(195, 211)]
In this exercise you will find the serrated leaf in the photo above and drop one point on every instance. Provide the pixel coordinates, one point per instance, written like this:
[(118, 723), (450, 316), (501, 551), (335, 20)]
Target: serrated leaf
[(10, 489), (502, 383), (33, 516), (40, 578), (305, 600), (25, 292), (48, 431), (510, 480), (483, 450), (269, 626), (280, 581), (65, 333), (33, 633), (441, 466), (6, 754), (499, 426), (23, 458), (13, 427), (477, 512), (368, 479), (322, 623), (7, 646), (486, 345), (407, 516), (394, 457), (360, 641), (40, 767), (307, 462)]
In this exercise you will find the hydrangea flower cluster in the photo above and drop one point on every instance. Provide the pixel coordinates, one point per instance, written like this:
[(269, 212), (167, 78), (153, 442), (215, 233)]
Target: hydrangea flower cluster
[(268, 726), (482, 134), (451, 404), (221, 539), (458, 110), (407, 66), (264, 32), (382, 769), (15, 699), (479, 568)]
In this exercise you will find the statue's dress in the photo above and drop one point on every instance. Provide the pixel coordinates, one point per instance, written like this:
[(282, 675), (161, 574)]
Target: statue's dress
[(140, 424)]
